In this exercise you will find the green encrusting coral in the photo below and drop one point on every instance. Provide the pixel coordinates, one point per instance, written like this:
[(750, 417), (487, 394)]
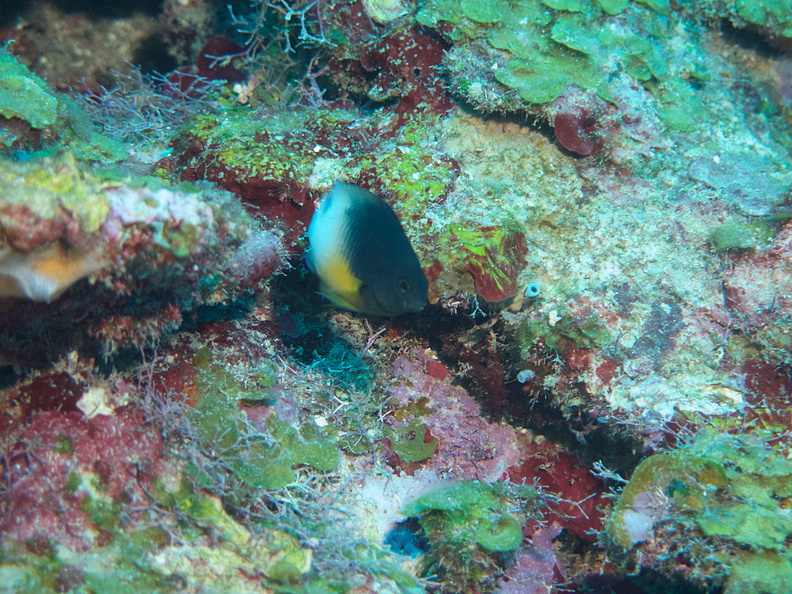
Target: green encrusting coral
[(726, 496), (24, 95), (539, 48)]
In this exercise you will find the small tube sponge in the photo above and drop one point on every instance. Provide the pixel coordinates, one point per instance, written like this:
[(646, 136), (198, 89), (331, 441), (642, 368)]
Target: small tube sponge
[(43, 275), (532, 290)]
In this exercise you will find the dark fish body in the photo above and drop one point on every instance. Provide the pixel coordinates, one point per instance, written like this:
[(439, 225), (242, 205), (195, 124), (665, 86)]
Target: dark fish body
[(362, 256)]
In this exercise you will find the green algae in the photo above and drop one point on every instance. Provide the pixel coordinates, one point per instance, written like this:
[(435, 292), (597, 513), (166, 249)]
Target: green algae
[(72, 482), (589, 331), (539, 81), (63, 188), (282, 146), (728, 489), (659, 6), (410, 170), (294, 145), (64, 445), (266, 374), (486, 11), (409, 442), (742, 235), (494, 255), (55, 187), (146, 561), (760, 573), (471, 527), (205, 512), (613, 7), (104, 513), (24, 95), (773, 16), (110, 569), (557, 44), (468, 510), (679, 107), (260, 459)]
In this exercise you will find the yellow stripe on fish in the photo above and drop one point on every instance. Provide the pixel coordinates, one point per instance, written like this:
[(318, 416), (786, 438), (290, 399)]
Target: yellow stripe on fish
[(344, 288)]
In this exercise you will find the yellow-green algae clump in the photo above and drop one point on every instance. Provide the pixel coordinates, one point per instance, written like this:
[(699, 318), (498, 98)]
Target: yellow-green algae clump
[(53, 188), (469, 525)]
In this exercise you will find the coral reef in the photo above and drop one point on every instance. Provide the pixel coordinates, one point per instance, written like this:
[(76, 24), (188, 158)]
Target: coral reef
[(596, 397)]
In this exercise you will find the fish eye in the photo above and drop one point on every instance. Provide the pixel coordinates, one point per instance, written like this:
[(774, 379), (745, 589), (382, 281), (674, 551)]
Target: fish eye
[(404, 286)]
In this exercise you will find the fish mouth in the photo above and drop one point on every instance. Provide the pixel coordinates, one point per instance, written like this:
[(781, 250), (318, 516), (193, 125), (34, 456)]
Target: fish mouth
[(406, 307), (415, 306)]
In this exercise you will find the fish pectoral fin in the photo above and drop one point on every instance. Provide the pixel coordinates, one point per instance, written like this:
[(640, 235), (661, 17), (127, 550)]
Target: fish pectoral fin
[(309, 261)]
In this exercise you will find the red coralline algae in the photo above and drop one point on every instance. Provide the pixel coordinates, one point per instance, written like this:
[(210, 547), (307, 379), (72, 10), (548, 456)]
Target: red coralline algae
[(211, 67), (607, 370), (50, 391), (487, 370), (768, 395), (405, 64), (576, 133), (437, 370), (580, 494), (579, 122), (68, 457)]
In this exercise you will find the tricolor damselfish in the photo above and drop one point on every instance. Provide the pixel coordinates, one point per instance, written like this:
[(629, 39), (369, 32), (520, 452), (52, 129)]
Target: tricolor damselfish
[(362, 256)]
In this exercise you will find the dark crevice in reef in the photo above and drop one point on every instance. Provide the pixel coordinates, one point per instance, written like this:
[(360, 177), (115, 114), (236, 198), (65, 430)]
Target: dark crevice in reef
[(515, 117), (153, 56), (747, 39), (645, 583), (303, 318), (579, 555), (12, 11), (102, 8), (480, 353)]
